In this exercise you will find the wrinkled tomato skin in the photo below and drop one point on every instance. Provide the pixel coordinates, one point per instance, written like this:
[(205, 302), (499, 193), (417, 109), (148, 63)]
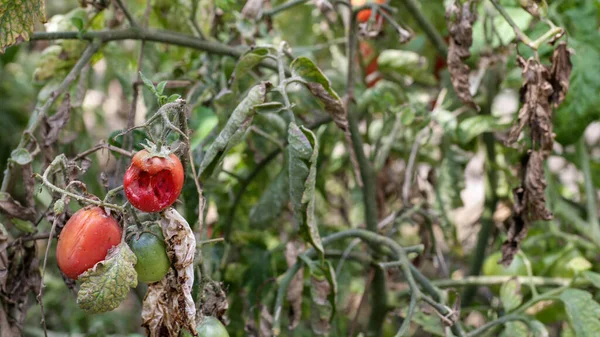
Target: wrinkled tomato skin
[(85, 240), (153, 183)]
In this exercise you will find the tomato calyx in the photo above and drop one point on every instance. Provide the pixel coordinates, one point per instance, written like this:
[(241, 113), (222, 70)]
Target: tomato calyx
[(155, 150)]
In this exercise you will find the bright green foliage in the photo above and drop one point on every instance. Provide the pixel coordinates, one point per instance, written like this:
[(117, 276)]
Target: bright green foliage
[(106, 285), (17, 19)]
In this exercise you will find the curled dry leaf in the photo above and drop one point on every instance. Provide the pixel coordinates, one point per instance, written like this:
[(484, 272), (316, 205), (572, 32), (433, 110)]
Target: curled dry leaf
[(536, 110), (560, 73), (213, 302), (168, 306), (460, 19), (52, 125), (530, 205), (294, 294), (3, 257), (14, 209)]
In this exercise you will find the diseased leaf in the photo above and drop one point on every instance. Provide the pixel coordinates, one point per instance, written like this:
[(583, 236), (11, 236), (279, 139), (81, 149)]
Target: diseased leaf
[(17, 20), (273, 199), (560, 73), (234, 130), (536, 110), (510, 295), (460, 18), (294, 294), (52, 125), (247, 62), (538, 329), (583, 312), (535, 184), (323, 292), (302, 159), (14, 209), (320, 87), (252, 9), (450, 178), (106, 285), (3, 257)]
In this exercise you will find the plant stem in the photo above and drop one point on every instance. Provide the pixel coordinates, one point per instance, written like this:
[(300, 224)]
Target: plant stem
[(590, 191), (127, 14), (283, 7), (432, 33), (492, 83), (520, 35), (41, 111)]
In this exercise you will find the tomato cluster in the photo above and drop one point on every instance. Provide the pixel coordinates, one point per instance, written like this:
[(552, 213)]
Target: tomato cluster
[(152, 183)]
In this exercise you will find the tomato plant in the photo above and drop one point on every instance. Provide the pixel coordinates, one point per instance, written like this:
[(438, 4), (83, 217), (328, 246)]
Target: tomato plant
[(85, 240), (153, 181), (211, 327), (152, 260)]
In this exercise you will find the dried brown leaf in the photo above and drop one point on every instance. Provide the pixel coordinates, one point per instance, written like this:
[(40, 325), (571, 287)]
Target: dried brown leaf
[(294, 294), (460, 19), (214, 300), (52, 125), (535, 184), (14, 209), (536, 110), (560, 73), (168, 306), (3, 257), (266, 325)]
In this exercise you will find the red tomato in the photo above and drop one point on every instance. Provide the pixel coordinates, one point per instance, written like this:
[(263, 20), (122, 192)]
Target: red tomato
[(369, 56), (365, 14), (153, 183), (85, 240)]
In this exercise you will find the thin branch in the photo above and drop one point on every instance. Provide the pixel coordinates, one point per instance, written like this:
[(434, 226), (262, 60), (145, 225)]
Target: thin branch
[(433, 35), (100, 147), (590, 190), (41, 111), (281, 8), (127, 14)]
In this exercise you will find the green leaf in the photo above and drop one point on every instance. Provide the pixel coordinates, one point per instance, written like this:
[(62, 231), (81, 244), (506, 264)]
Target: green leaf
[(234, 130), (269, 107), (160, 88), (405, 62), (594, 278), (515, 329), (23, 225), (21, 156), (579, 264), (149, 84), (538, 329), (78, 23), (323, 292), (303, 151), (510, 295), (107, 284), (173, 98), (272, 200), (320, 86), (583, 312), (472, 127), (17, 20), (248, 61)]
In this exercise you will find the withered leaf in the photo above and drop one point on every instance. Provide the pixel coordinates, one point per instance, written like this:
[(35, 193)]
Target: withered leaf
[(294, 294), (14, 209), (535, 184), (214, 300), (460, 19), (51, 126), (536, 110), (3, 257), (265, 324), (157, 316), (560, 73)]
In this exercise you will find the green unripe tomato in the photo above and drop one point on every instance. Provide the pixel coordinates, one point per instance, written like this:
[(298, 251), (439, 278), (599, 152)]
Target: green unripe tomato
[(152, 260), (209, 327), (492, 268)]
